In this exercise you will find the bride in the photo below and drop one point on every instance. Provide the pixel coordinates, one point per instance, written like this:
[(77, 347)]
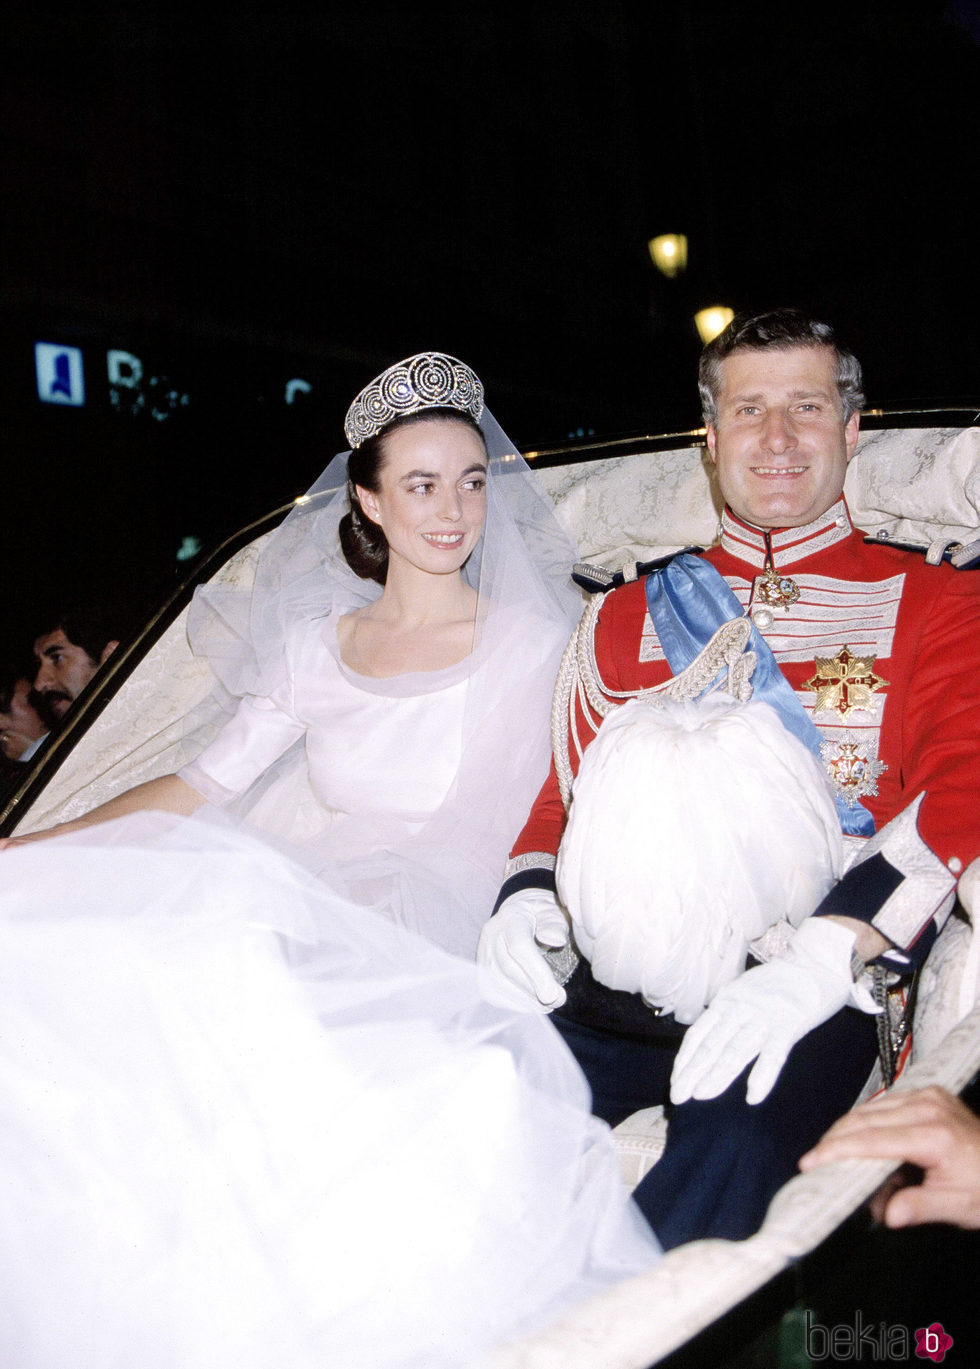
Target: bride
[(389, 672), (253, 1122)]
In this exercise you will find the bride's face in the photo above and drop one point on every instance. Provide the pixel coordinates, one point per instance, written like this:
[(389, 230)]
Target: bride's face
[(432, 495)]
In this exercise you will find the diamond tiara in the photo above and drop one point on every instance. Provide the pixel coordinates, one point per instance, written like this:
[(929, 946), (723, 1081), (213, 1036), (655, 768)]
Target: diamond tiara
[(429, 380)]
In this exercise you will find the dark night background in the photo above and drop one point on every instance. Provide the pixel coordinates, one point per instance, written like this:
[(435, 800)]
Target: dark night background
[(243, 196)]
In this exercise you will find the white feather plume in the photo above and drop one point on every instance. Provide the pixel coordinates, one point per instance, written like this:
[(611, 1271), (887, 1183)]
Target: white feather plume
[(694, 826)]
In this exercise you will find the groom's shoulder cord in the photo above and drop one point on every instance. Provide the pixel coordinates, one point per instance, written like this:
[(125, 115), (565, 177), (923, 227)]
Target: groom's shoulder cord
[(580, 688)]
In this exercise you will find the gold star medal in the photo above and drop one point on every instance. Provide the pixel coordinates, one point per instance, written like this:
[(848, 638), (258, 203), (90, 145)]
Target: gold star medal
[(844, 683)]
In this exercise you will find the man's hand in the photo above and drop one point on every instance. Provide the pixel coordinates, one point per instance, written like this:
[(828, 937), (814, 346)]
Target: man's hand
[(766, 1011), (926, 1127), (511, 945)]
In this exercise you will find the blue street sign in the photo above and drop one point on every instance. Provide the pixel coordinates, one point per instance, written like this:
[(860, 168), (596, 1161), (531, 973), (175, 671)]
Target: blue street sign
[(60, 374)]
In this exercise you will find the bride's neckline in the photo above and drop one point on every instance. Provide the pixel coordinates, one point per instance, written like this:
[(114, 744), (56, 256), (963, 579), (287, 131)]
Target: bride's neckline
[(406, 682)]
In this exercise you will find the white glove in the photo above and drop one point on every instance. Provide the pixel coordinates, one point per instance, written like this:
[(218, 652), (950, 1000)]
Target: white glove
[(765, 1011), (511, 942)]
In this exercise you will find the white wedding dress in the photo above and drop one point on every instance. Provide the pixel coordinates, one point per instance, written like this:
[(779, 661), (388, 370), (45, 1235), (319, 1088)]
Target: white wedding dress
[(366, 741), (251, 1119), (247, 1126), (403, 793)]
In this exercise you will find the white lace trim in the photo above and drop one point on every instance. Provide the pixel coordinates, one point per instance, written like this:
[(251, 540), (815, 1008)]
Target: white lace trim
[(927, 889), (791, 544), (828, 614), (530, 860)]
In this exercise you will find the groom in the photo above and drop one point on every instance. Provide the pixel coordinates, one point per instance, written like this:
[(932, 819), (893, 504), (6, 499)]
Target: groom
[(882, 655)]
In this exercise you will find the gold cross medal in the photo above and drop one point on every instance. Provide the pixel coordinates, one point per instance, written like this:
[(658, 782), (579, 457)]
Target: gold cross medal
[(776, 591), (845, 683)]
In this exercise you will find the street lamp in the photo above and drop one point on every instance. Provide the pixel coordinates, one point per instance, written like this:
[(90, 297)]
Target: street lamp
[(713, 320), (668, 252)]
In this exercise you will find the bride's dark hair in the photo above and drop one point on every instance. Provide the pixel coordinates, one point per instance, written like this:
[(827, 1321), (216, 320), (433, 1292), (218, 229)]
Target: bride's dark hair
[(364, 545)]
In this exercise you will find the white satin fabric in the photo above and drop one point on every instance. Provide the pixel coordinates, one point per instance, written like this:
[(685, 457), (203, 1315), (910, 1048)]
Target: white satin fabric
[(248, 1127), (360, 734)]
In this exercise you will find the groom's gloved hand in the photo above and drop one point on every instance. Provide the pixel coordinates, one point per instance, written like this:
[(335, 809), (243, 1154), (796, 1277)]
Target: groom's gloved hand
[(764, 1012), (512, 942)]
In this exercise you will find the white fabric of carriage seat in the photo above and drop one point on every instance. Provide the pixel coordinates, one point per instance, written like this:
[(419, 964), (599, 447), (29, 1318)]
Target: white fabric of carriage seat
[(919, 485)]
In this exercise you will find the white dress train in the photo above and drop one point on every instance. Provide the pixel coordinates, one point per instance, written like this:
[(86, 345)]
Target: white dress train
[(247, 1126)]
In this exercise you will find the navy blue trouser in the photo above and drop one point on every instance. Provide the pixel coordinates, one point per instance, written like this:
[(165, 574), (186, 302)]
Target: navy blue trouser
[(725, 1158)]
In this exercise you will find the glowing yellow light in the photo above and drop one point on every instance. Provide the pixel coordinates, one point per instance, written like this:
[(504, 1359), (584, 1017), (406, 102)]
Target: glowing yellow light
[(712, 321), (303, 499), (668, 253)]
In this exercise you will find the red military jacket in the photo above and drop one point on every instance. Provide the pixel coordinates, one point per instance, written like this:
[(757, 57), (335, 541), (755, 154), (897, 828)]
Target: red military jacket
[(882, 650)]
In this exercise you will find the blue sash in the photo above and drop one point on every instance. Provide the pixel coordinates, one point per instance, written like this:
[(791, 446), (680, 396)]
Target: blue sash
[(688, 601)]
